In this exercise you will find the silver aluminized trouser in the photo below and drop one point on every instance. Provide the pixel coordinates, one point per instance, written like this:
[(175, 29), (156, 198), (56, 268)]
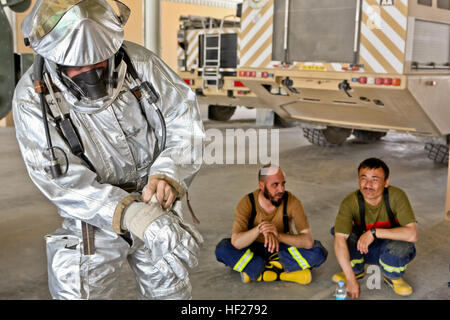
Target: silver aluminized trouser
[(74, 275)]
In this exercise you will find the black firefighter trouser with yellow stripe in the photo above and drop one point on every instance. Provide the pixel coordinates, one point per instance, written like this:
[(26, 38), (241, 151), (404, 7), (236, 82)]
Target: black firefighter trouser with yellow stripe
[(252, 259), (392, 256)]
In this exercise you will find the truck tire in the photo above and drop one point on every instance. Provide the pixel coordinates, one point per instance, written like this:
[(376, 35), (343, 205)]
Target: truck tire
[(437, 152), (331, 136), (220, 113), (368, 136)]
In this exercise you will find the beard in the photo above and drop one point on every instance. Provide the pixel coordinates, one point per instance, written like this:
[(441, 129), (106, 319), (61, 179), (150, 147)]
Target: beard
[(272, 198)]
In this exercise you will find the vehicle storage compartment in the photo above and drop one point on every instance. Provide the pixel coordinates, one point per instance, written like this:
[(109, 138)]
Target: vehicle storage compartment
[(319, 30)]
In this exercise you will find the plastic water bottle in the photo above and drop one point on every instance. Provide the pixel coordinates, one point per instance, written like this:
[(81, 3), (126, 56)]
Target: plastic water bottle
[(341, 293)]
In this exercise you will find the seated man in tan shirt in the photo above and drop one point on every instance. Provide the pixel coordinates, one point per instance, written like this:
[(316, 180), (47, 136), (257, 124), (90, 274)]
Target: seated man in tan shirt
[(263, 244)]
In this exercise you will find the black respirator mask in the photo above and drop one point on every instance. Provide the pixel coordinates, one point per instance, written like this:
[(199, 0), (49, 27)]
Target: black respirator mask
[(92, 84)]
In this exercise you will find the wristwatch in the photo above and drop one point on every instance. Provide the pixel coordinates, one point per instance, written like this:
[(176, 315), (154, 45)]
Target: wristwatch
[(373, 233)]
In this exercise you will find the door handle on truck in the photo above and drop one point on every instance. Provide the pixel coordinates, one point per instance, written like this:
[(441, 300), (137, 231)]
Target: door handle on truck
[(344, 85)]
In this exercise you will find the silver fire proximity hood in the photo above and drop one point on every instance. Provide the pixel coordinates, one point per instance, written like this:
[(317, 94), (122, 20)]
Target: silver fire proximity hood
[(74, 32)]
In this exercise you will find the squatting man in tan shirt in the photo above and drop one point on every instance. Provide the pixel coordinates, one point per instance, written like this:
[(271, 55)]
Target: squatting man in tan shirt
[(263, 244)]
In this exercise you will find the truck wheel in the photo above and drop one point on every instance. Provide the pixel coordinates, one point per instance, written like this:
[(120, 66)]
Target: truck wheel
[(315, 136), (331, 136), (437, 152), (220, 113), (368, 136)]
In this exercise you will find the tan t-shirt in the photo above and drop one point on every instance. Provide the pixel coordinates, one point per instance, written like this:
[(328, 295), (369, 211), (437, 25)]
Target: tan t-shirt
[(295, 212)]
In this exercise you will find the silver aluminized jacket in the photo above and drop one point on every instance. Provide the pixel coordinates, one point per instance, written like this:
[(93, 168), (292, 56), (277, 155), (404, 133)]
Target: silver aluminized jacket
[(120, 144)]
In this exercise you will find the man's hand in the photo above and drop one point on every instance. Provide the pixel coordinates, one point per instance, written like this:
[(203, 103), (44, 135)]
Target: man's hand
[(270, 233), (271, 242), (364, 242), (265, 227), (165, 194), (353, 289)]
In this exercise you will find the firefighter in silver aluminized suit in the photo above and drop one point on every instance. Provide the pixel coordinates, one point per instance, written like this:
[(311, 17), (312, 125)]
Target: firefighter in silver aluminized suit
[(119, 192)]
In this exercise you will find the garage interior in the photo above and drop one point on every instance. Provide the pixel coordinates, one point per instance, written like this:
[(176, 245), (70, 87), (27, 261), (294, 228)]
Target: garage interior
[(320, 177)]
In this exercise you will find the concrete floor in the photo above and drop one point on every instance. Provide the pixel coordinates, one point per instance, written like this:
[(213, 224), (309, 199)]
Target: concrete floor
[(319, 177)]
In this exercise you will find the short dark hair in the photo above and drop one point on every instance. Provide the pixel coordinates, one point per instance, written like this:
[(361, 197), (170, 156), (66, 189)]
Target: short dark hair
[(374, 163)]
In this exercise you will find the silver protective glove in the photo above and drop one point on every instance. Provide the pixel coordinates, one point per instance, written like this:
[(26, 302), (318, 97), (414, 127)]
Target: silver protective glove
[(165, 234)]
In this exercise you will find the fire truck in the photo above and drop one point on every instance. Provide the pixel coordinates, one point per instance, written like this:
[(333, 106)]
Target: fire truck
[(361, 67), (208, 58)]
